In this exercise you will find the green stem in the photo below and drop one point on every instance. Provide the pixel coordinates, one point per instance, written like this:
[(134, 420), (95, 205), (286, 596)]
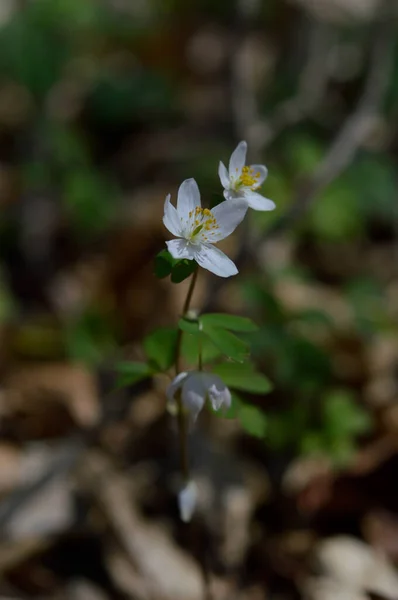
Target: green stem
[(200, 361), (200, 348), (181, 416)]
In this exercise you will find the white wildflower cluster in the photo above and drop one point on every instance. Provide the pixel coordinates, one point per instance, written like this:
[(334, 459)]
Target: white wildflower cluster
[(197, 229)]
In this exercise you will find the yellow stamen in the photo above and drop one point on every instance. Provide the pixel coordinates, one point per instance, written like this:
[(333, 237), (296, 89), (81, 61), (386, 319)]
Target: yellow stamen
[(248, 178), (202, 220)]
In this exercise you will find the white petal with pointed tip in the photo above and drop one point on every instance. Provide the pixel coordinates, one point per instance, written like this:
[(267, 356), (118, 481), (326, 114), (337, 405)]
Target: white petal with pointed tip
[(229, 215), (258, 202), (223, 175), (193, 394), (171, 219), (211, 258), (262, 170), (188, 198), (175, 385), (181, 249), (237, 160)]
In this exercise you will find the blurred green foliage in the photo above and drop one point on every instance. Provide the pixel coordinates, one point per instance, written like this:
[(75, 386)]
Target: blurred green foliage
[(89, 337)]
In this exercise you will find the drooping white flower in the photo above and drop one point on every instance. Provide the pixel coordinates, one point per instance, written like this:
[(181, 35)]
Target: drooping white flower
[(199, 228), (187, 498), (241, 181), (195, 387)]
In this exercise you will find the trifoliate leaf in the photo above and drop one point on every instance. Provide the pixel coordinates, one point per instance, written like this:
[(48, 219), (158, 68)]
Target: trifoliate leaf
[(179, 270), (232, 322), (227, 342), (164, 264), (160, 347), (243, 377), (182, 270), (189, 325), (192, 344)]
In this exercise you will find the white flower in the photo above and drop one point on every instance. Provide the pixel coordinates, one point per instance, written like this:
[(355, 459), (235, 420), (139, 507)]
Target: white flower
[(198, 228), (187, 498), (195, 387), (242, 181)]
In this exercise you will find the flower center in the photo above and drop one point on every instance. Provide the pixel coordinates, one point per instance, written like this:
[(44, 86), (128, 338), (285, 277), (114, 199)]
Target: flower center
[(249, 178), (201, 222)]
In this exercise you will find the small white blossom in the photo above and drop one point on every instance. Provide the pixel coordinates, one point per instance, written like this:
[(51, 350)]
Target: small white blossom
[(187, 499), (242, 181), (195, 387), (199, 228)]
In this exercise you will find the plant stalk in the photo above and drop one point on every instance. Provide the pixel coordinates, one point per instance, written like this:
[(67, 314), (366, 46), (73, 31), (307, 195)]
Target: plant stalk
[(181, 416)]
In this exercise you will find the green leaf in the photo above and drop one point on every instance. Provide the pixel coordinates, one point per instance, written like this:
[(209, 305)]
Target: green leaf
[(192, 343), (189, 325), (164, 263), (243, 377), (232, 322), (182, 270), (160, 347), (227, 343), (131, 372), (253, 420)]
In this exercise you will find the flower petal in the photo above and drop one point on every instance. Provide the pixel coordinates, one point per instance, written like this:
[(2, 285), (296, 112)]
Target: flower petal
[(263, 172), (171, 219), (230, 194), (194, 394), (258, 202), (181, 249), (218, 393), (187, 501), (237, 160), (228, 214), (223, 175), (215, 261), (188, 198), (175, 385)]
